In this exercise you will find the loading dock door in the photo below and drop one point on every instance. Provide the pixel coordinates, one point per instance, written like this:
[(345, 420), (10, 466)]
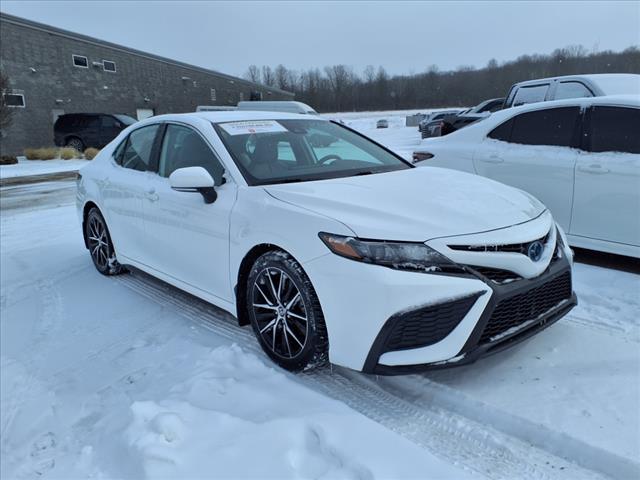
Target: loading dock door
[(143, 113)]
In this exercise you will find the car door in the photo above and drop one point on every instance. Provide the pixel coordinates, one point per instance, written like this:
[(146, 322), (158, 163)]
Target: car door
[(124, 188), (534, 151), (607, 192), (190, 238)]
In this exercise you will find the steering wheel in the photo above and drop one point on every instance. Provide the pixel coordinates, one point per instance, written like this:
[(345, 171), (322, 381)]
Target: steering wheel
[(331, 156)]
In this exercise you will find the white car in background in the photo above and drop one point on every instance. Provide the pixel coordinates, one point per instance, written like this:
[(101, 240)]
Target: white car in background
[(337, 251), (580, 157)]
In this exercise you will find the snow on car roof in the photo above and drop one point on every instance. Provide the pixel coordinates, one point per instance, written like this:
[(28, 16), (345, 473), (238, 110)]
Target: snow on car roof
[(231, 116), (240, 115)]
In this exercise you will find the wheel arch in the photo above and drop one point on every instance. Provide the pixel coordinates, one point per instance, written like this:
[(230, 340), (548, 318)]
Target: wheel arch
[(243, 274), (85, 213)]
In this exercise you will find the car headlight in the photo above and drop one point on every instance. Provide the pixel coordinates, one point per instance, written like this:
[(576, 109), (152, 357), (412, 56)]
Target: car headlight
[(399, 255)]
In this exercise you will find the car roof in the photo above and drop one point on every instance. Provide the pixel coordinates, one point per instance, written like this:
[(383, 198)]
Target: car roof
[(237, 116), (589, 76)]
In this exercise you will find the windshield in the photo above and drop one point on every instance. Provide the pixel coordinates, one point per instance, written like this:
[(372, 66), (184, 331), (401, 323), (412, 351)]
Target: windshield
[(283, 151), (126, 119)]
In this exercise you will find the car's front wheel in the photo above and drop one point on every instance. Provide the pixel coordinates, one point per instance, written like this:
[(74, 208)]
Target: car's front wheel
[(99, 243), (285, 312)]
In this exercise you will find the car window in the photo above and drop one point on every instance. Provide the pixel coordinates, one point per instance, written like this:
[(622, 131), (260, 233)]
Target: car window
[(119, 151), (615, 129), (137, 152), (109, 122), (552, 126), (502, 132), (184, 147), (285, 152), (92, 121), (533, 94), (572, 90)]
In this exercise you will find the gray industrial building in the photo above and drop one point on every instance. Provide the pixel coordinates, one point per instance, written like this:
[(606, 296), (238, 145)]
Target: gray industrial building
[(53, 71)]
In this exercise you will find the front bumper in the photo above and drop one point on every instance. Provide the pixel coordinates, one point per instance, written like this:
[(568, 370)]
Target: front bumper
[(361, 302), (479, 343)]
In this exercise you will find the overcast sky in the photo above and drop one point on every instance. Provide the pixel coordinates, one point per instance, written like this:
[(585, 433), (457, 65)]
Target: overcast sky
[(402, 37)]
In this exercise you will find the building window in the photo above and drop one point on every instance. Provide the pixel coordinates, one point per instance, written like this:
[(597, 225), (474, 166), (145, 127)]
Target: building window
[(109, 66), (14, 100), (80, 61), (213, 94), (241, 96)]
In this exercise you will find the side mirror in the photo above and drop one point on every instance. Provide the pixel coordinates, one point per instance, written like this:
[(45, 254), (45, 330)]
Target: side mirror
[(194, 179)]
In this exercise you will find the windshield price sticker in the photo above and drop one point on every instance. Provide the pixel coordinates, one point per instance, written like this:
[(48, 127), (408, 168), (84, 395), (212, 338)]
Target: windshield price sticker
[(253, 126)]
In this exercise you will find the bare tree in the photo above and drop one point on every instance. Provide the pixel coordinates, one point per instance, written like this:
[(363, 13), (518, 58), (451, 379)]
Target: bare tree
[(267, 76), (338, 88), (282, 77), (253, 74)]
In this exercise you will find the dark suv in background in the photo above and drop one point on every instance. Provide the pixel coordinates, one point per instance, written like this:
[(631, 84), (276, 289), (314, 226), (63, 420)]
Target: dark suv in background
[(83, 130)]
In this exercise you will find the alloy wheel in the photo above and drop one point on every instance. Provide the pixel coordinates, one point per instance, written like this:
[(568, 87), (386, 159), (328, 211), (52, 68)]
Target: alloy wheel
[(280, 313), (98, 240)]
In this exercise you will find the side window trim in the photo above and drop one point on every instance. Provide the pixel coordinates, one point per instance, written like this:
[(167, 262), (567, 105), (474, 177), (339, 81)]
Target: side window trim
[(157, 147)]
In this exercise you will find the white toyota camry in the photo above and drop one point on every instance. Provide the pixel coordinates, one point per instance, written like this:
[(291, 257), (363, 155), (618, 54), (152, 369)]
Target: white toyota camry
[(331, 246)]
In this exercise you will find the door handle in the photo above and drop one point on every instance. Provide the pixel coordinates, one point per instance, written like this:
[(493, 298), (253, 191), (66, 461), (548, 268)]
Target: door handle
[(493, 159), (593, 168)]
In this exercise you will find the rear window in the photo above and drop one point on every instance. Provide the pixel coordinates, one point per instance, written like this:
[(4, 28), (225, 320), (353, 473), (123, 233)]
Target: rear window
[(572, 90), (126, 119), (533, 94), (615, 129)]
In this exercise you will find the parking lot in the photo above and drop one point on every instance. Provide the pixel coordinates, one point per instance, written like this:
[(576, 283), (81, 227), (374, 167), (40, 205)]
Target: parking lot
[(87, 360)]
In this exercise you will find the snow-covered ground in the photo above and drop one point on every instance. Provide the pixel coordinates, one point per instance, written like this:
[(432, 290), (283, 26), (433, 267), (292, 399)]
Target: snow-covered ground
[(126, 377), (26, 168)]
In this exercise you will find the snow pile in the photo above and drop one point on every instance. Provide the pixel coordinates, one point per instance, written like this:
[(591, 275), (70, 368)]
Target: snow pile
[(236, 417)]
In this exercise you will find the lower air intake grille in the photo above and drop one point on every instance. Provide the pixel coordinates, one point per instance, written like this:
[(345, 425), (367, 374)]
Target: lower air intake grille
[(516, 310), (497, 275), (428, 325)]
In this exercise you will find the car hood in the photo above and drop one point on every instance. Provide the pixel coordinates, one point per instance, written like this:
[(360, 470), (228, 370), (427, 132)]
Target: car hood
[(417, 204)]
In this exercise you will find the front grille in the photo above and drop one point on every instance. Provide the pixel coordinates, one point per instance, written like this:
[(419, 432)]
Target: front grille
[(516, 310), (497, 275), (428, 325), (512, 247)]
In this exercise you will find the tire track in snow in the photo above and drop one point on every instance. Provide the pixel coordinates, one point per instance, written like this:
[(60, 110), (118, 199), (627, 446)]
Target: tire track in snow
[(43, 448), (457, 439), (537, 435)]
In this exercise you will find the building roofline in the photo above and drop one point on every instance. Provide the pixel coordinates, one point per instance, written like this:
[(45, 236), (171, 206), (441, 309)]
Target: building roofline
[(5, 17)]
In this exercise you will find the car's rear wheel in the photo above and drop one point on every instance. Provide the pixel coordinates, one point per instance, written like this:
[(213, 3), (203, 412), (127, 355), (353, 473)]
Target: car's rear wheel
[(100, 244), (76, 143), (285, 313)]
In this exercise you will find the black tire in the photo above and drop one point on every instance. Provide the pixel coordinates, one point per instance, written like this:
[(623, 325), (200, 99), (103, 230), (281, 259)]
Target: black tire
[(99, 243), (76, 143), (273, 282)]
